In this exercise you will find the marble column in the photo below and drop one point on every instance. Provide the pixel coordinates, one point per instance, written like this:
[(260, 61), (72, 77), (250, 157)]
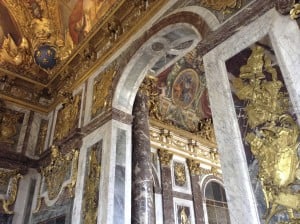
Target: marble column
[(142, 181), (194, 167), (166, 179)]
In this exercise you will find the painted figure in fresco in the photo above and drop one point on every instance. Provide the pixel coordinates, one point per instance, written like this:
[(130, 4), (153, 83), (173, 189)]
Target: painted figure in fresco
[(82, 17), (77, 22)]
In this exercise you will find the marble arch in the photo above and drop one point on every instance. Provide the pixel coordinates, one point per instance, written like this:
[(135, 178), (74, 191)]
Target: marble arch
[(191, 22)]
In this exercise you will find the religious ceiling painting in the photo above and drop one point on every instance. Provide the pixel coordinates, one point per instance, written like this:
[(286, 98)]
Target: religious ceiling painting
[(8, 26), (79, 16), (183, 94), (269, 129), (36, 36)]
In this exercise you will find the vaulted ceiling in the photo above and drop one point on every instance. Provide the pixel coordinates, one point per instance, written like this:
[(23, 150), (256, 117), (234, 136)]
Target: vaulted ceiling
[(42, 43), (48, 48)]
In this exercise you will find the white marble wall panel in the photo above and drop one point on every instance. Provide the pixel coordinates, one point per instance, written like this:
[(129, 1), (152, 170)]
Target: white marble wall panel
[(53, 124), (108, 134), (23, 197), (81, 90), (157, 166), (158, 209), (34, 133), (283, 33)]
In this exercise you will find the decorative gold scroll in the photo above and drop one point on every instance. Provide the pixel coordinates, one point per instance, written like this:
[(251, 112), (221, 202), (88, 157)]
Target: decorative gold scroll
[(12, 178), (102, 91), (56, 173)]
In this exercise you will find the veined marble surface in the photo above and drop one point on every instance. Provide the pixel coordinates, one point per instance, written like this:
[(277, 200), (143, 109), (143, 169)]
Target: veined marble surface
[(23, 196), (34, 134), (283, 34), (108, 133)]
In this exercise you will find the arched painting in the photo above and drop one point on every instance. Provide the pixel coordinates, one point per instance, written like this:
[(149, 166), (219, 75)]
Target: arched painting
[(185, 88)]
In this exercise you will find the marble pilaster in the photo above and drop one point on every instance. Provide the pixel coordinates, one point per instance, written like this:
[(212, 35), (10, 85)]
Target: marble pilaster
[(115, 174), (166, 180), (194, 167), (142, 189)]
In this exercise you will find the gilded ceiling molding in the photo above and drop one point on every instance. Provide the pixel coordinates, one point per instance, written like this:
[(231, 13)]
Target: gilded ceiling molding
[(222, 5)]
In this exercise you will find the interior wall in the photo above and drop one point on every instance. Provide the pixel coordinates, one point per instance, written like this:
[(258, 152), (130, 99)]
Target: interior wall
[(241, 199)]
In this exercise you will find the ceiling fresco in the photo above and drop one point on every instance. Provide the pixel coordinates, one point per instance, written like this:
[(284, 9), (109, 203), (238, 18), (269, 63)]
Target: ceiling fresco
[(183, 94), (50, 49), (37, 36)]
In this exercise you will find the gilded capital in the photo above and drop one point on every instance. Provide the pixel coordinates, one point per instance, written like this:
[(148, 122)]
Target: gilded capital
[(194, 167), (165, 157)]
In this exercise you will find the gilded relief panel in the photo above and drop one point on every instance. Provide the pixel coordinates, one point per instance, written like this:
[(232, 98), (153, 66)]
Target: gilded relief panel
[(11, 122), (102, 91), (179, 174), (269, 129), (9, 183), (92, 182), (67, 117), (59, 175)]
